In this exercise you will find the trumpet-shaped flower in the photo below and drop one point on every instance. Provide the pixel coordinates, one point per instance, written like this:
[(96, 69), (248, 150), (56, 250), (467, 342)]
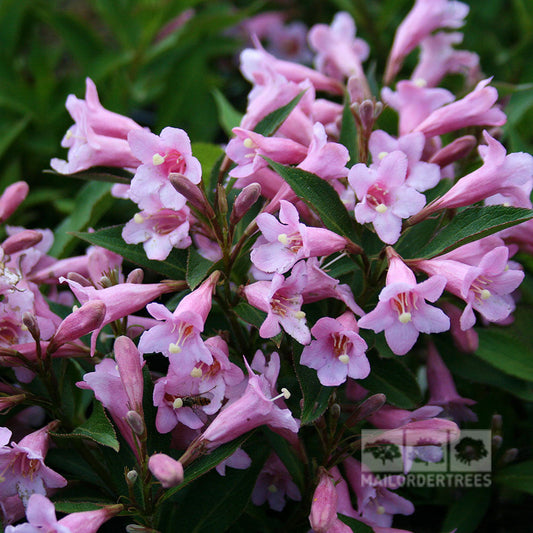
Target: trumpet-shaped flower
[(402, 310), (284, 243), (384, 197)]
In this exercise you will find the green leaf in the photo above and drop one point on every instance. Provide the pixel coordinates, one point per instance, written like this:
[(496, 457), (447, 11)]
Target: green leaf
[(92, 201), (204, 464), (505, 351), (228, 116), (208, 154), (474, 369), (355, 525), (392, 378), (173, 267), (473, 224), (97, 428), (78, 506), (466, 513), (198, 268), (315, 395), (320, 196), (106, 174), (14, 130), (518, 476), (268, 125)]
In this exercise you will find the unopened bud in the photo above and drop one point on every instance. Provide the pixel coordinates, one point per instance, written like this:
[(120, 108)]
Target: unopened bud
[(356, 89), (222, 200), (12, 198), (78, 278), (509, 456), (324, 504), (497, 441), (366, 114), (244, 201), (135, 422), (131, 476), (496, 423), (454, 151), (7, 402), (365, 409), (335, 410), (168, 471), (135, 276), (86, 319), (21, 241), (188, 189), (136, 528), (30, 321)]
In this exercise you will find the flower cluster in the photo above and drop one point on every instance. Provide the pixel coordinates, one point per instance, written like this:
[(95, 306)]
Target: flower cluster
[(312, 243)]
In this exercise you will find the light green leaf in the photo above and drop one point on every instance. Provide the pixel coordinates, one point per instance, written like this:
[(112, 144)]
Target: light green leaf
[(473, 224), (98, 428), (173, 267), (228, 116), (198, 268), (92, 201), (253, 316), (320, 196), (208, 154)]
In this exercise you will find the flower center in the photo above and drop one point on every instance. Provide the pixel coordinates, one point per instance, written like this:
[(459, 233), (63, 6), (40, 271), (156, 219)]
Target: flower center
[(404, 304), (377, 197), (292, 241), (479, 288), (171, 161)]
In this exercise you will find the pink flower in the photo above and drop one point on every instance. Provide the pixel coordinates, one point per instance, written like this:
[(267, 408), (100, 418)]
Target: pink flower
[(339, 53), (22, 465), (425, 17), (159, 231), (98, 137), (475, 109), (168, 471), (442, 389), (42, 517), (282, 299), (384, 197), (338, 352), (254, 408), (509, 175), (284, 243), (414, 102), (485, 287), (324, 504), (273, 484), (239, 459), (437, 58), (375, 503), (179, 332), (402, 311), (161, 155)]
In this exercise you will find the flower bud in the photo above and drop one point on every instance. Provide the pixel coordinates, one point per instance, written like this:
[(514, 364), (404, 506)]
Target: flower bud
[(78, 278), (135, 422), (87, 318), (131, 477), (324, 504), (7, 402), (509, 456), (12, 198), (244, 201), (365, 409), (222, 200), (21, 241), (135, 276), (168, 471), (497, 441), (454, 151), (30, 322), (188, 189)]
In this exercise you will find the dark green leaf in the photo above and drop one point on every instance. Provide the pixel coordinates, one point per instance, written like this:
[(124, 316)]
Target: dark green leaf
[(502, 349), (198, 268), (173, 267), (228, 116), (253, 316), (78, 506), (468, 511), (518, 476), (315, 395), (67, 460), (95, 174), (9, 137), (392, 378), (97, 428), (320, 196), (206, 463), (268, 125), (355, 525), (473, 224), (90, 204)]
